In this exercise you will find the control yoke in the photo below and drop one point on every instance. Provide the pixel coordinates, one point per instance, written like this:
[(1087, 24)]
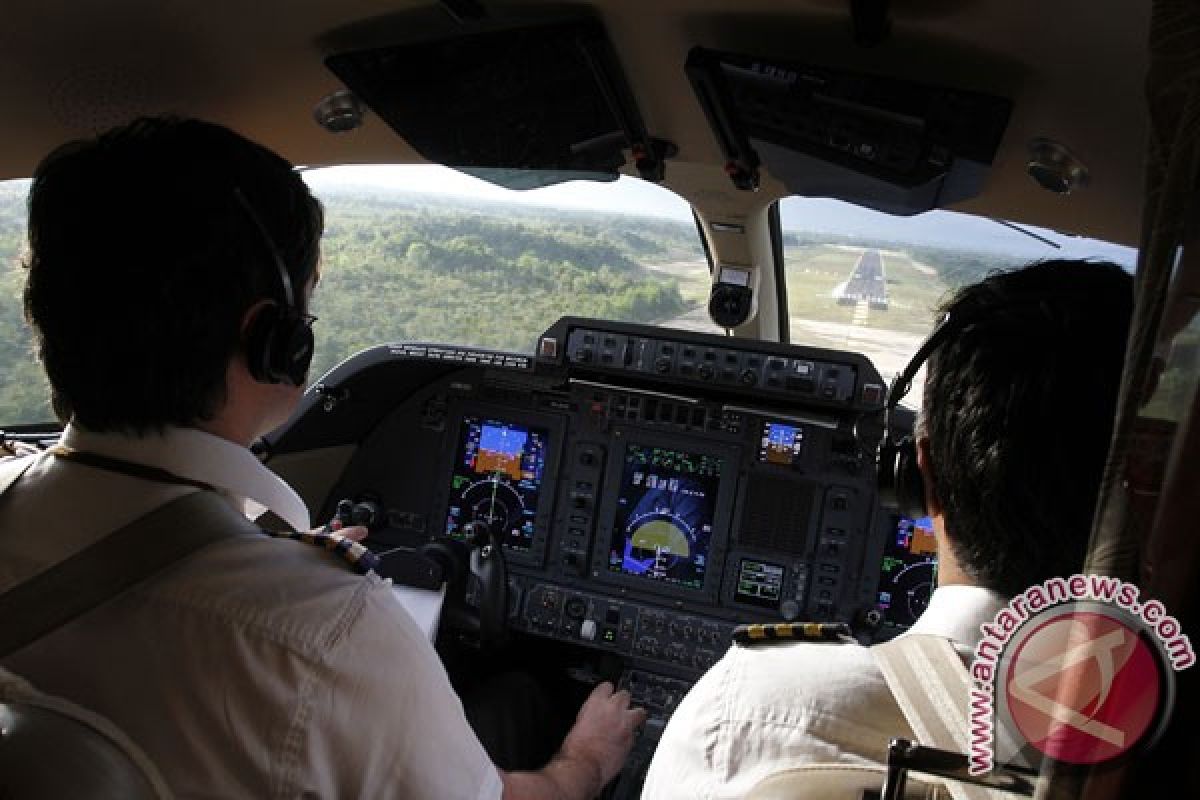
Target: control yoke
[(478, 607), (481, 608)]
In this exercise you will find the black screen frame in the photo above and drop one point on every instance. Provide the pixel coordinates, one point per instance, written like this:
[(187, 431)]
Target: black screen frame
[(555, 427), (727, 485)]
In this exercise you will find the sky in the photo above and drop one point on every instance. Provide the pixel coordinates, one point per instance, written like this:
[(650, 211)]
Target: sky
[(630, 195), (626, 195)]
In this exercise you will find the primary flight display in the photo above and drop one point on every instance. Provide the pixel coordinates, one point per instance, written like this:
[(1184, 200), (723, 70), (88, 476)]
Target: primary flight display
[(497, 480)]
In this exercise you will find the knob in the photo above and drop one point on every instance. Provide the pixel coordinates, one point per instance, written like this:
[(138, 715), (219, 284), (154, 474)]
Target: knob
[(748, 377), (706, 371)]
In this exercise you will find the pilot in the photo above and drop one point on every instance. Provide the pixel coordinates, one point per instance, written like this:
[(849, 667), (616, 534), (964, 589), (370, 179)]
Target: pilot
[(1011, 444), (163, 259)]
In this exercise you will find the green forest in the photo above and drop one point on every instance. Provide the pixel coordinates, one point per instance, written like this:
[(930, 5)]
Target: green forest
[(415, 268), (24, 393), (406, 267)]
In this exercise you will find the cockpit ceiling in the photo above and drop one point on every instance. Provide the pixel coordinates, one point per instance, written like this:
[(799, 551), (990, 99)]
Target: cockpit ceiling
[(1073, 69)]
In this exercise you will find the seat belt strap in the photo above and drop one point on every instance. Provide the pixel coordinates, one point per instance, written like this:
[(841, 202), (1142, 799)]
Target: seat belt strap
[(931, 686), (114, 564)]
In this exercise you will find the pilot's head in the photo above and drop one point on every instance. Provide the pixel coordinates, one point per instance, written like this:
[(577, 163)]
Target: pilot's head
[(154, 248), (1018, 413)]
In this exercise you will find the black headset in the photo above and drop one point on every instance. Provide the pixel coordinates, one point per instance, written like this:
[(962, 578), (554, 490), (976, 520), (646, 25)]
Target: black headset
[(901, 486), (279, 340)]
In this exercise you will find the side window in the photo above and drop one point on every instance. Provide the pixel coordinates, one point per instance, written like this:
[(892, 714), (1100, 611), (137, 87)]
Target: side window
[(24, 393)]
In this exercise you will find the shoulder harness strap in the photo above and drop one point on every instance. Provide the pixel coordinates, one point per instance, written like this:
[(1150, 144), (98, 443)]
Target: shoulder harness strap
[(114, 564), (932, 688)]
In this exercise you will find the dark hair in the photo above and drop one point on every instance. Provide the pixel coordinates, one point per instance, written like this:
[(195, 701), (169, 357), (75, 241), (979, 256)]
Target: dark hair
[(1020, 409), (143, 262)]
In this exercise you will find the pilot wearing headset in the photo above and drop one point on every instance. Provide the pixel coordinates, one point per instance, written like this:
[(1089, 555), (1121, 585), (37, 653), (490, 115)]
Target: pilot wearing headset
[(1020, 394), (170, 270)]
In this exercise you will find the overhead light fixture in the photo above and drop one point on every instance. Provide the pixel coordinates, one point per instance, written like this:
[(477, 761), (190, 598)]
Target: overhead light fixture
[(1055, 167), (339, 112)]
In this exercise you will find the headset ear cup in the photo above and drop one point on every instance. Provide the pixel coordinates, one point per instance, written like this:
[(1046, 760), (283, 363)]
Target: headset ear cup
[(260, 341), (901, 485), (292, 351), (910, 484)]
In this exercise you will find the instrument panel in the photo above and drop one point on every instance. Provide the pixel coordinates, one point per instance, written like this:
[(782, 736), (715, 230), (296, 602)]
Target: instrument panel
[(646, 505)]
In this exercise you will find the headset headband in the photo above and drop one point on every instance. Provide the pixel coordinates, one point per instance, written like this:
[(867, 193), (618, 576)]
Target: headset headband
[(902, 383), (285, 280)]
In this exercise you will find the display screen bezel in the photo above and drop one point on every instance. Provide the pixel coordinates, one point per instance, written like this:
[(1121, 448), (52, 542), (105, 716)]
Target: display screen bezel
[(722, 515), (553, 425), (889, 619)]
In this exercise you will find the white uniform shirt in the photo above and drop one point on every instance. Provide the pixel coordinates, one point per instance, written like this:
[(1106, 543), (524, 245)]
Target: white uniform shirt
[(256, 667), (763, 709)]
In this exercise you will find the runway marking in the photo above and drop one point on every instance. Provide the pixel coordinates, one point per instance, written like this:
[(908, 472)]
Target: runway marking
[(861, 312)]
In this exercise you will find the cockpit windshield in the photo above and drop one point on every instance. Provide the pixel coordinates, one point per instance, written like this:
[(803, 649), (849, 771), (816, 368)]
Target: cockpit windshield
[(424, 253), (870, 282)]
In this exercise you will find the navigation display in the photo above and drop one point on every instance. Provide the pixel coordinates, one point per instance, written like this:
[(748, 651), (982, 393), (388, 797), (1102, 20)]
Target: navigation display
[(908, 572), (664, 520), (497, 480), (781, 444), (759, 583)]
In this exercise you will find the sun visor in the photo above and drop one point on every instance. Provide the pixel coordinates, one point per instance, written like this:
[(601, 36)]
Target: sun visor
[(884, 143), (497, 102)]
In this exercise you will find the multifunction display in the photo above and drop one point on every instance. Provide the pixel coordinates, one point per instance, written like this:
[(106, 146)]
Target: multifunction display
[(781, 444), (663, 526), (497, 480), (908, 572), (759, 583)]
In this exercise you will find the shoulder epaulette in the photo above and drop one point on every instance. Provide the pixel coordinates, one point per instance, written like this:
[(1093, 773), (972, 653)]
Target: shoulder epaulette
[(355, 554), (760, 634)]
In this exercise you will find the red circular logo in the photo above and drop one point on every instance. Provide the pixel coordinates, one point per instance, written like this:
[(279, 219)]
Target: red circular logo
[(1083, 687)]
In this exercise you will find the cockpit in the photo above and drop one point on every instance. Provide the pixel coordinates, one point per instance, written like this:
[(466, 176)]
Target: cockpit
[(604, 357)]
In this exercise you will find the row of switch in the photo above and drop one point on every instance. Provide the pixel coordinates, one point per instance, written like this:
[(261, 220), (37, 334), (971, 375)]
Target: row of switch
[(821, 380), (627, 627)]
